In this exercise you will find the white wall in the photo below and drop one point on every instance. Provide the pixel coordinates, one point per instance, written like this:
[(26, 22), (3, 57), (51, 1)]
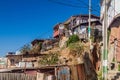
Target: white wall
[(117, 7), (113, 10), (102, 10)]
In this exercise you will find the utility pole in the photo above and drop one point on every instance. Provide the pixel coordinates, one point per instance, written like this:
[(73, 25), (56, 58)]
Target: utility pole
[(105, 53), (89, 30)]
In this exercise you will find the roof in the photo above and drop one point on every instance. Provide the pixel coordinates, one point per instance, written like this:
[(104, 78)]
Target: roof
[(69, 19), (116, 19), (8, 55), (56, 26), (5, 70), (36, 41), (87, 23), (31, 68), (97, 23), (81, 15), (92, 16)]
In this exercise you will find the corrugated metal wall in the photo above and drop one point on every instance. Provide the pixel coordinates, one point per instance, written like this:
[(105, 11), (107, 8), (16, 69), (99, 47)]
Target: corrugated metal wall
[(16, 76)]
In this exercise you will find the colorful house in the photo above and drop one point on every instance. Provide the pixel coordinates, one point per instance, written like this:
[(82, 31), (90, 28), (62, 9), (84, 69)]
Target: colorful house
[(58, 30), (78, 25)]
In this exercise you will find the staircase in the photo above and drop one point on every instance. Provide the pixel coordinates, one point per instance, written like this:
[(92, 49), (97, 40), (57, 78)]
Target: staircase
[(114, 75)]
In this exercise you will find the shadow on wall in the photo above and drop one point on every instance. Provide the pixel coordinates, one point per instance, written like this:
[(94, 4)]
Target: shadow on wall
[(89, 68)]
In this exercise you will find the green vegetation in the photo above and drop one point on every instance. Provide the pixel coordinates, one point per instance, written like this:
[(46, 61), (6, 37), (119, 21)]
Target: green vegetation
[(72, 39), (113, 60), (100, 75), (118, 67), (49, 59), (92, 38), (76, 48)]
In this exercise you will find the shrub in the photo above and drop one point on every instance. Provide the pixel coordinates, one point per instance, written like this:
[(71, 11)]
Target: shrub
[(100, 75), (118, 67), (72, 39), (50, 59), (76, 48)]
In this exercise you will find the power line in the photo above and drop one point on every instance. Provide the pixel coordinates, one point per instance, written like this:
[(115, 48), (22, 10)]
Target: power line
[(92, 9), (66, 4), (74, 5)]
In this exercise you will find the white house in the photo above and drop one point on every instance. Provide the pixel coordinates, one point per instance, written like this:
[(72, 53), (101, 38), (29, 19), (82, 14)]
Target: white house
[(113, 22)]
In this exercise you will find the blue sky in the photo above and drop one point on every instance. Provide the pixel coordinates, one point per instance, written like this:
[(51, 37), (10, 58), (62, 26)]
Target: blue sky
[(22, 21)]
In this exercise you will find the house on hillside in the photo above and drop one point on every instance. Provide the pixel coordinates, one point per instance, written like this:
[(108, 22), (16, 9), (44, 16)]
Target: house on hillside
[(37, 46), (13, 59), (27, 59), (78, 24), (49, 44), (30, 58), (58, 30), (3, 63), (68, 26), (37, 41)]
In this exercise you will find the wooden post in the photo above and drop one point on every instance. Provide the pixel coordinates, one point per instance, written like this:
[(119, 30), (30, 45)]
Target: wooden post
[(55, 73)]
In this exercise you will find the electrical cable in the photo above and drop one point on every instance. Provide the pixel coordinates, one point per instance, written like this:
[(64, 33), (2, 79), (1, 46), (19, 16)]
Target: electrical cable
[(66, 4)]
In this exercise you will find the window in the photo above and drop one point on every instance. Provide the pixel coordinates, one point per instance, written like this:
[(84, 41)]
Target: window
[(12, 61)]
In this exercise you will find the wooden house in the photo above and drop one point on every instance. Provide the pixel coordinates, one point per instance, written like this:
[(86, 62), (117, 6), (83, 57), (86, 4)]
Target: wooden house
[(78, 24), (13, 60), (58, 30)]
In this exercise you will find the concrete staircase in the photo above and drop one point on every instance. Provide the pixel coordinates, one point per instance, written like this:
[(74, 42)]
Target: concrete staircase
[(114, 75)]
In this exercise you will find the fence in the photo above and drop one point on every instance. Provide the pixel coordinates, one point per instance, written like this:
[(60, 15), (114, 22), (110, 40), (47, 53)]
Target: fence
[(16, 76)]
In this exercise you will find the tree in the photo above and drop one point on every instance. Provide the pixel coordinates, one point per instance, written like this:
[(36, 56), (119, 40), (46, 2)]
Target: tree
[(25, 49), (72, 39)]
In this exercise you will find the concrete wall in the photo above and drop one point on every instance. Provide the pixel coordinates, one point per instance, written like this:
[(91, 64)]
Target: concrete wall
[(115, 34), (113, 10), (16, 59)]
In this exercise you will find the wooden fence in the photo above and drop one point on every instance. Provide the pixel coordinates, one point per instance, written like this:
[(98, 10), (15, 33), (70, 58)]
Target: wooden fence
[(16, 76)]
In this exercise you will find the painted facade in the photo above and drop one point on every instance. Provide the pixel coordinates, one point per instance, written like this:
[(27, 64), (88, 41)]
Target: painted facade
[(58, 30)]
